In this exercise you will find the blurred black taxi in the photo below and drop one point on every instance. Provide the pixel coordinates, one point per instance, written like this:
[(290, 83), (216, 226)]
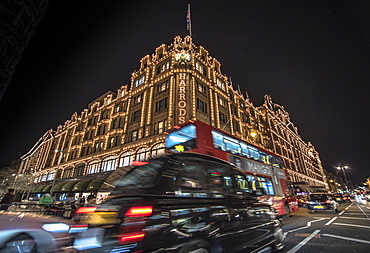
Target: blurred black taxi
[(321, 201), (179, 203)]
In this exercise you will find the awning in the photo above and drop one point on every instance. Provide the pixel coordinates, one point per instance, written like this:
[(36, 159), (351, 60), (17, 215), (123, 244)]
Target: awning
[(95, 184), (68, 186), (81, 185), (39, 188), (47, 188), (58, 187)]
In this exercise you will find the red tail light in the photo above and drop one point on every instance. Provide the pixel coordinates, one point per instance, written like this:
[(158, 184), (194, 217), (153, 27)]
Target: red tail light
[(327, 201), (132, 238), (133, 224), (139, 211), (86, 209)]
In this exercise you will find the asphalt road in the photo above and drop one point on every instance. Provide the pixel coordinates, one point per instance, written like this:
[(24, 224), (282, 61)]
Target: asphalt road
[(323, 232)]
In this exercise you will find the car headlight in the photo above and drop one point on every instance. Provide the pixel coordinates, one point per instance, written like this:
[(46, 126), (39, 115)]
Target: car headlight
[(56, 227)]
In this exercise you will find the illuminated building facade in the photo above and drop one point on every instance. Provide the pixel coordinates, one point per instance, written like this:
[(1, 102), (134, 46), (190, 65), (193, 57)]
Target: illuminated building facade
[(176, 83), (18, 21)]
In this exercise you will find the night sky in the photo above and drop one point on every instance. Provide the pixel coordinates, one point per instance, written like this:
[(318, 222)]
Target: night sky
[(312, 57)]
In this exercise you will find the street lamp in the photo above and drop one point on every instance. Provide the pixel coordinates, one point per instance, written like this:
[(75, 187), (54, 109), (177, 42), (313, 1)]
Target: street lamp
[(344, 168), (61, 153)]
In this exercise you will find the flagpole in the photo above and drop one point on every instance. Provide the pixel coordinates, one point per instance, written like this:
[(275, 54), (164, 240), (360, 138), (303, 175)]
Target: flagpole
[(188, 20)]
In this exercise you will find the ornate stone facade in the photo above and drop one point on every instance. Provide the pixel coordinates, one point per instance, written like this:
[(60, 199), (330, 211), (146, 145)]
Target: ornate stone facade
[(178, 82)]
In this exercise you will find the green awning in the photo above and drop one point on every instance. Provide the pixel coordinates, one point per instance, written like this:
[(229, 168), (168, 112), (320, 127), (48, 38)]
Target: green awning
[(68, 186), (58, 187), (47, 188), (95, 185), (81, 185), (39, 188)]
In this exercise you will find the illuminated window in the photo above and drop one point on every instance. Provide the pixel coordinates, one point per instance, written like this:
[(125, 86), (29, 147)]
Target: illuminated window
[(201, 88), (137, 99), (126, 159), (158, 150), (109, 163), (93, 167), (142, 154), (133, 136), (139, 81), (159, 127), (163, 86), (220, 84)]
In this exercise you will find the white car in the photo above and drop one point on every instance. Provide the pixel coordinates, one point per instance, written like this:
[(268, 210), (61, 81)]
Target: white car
[(25, 232)]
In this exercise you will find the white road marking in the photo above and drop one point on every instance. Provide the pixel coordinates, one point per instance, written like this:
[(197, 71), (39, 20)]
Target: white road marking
[(308, 225), (347, 238), (353, 218), (329, 222), (302, 243), (350, 225)]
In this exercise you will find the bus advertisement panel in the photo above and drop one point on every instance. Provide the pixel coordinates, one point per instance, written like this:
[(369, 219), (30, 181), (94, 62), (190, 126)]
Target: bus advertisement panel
[(264, 170)]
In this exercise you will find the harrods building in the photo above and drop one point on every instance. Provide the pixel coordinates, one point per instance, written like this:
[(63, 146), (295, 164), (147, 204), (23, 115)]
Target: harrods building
[(178, 82)]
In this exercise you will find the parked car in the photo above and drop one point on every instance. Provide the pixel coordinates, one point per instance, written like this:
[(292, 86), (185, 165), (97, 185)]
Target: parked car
[(179, 203), (321, 201), (24, 232)]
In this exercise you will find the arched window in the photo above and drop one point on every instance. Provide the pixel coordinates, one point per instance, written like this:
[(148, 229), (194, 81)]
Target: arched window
[(126, 159), (80, 169), (109, 163), (93, 167), (50, 175), (58, 173), (158, 150), (68, 172), (43, 177), (142, 154)]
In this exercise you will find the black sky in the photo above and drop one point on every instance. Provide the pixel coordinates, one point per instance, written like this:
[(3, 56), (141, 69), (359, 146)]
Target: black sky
[(312, 57)]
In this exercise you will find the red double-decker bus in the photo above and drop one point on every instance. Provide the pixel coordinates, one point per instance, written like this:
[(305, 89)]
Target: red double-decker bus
[(264, 170)]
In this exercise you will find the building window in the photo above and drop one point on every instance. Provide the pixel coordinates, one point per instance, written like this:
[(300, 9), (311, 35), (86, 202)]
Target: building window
[(117, 123), (222, 117), (79, 171), (114, 141), (200, 68), (142, 154), (158, 150), (93, 167), (137, 99), (161, 105), (133, 135), (222, 102), (234, 110), (163, 86), (220, 84), (50, 176), (201, 88), (98, 146), (159, 127), (236, 126), (68, 172), (109, 163), (163, 67), (105, 114), (136, 116), (126, 159), (201, 106), (139, 81)]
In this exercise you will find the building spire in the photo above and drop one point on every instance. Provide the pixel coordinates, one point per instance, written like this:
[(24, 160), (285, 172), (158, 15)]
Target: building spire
[(188, 21)]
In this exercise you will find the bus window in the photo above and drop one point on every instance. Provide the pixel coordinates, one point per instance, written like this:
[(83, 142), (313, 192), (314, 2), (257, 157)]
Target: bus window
[(232, 145), (182, 140), (255, 154), (241, 183), (245, 150), (218, 140), (265, 158), (265, 184)]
